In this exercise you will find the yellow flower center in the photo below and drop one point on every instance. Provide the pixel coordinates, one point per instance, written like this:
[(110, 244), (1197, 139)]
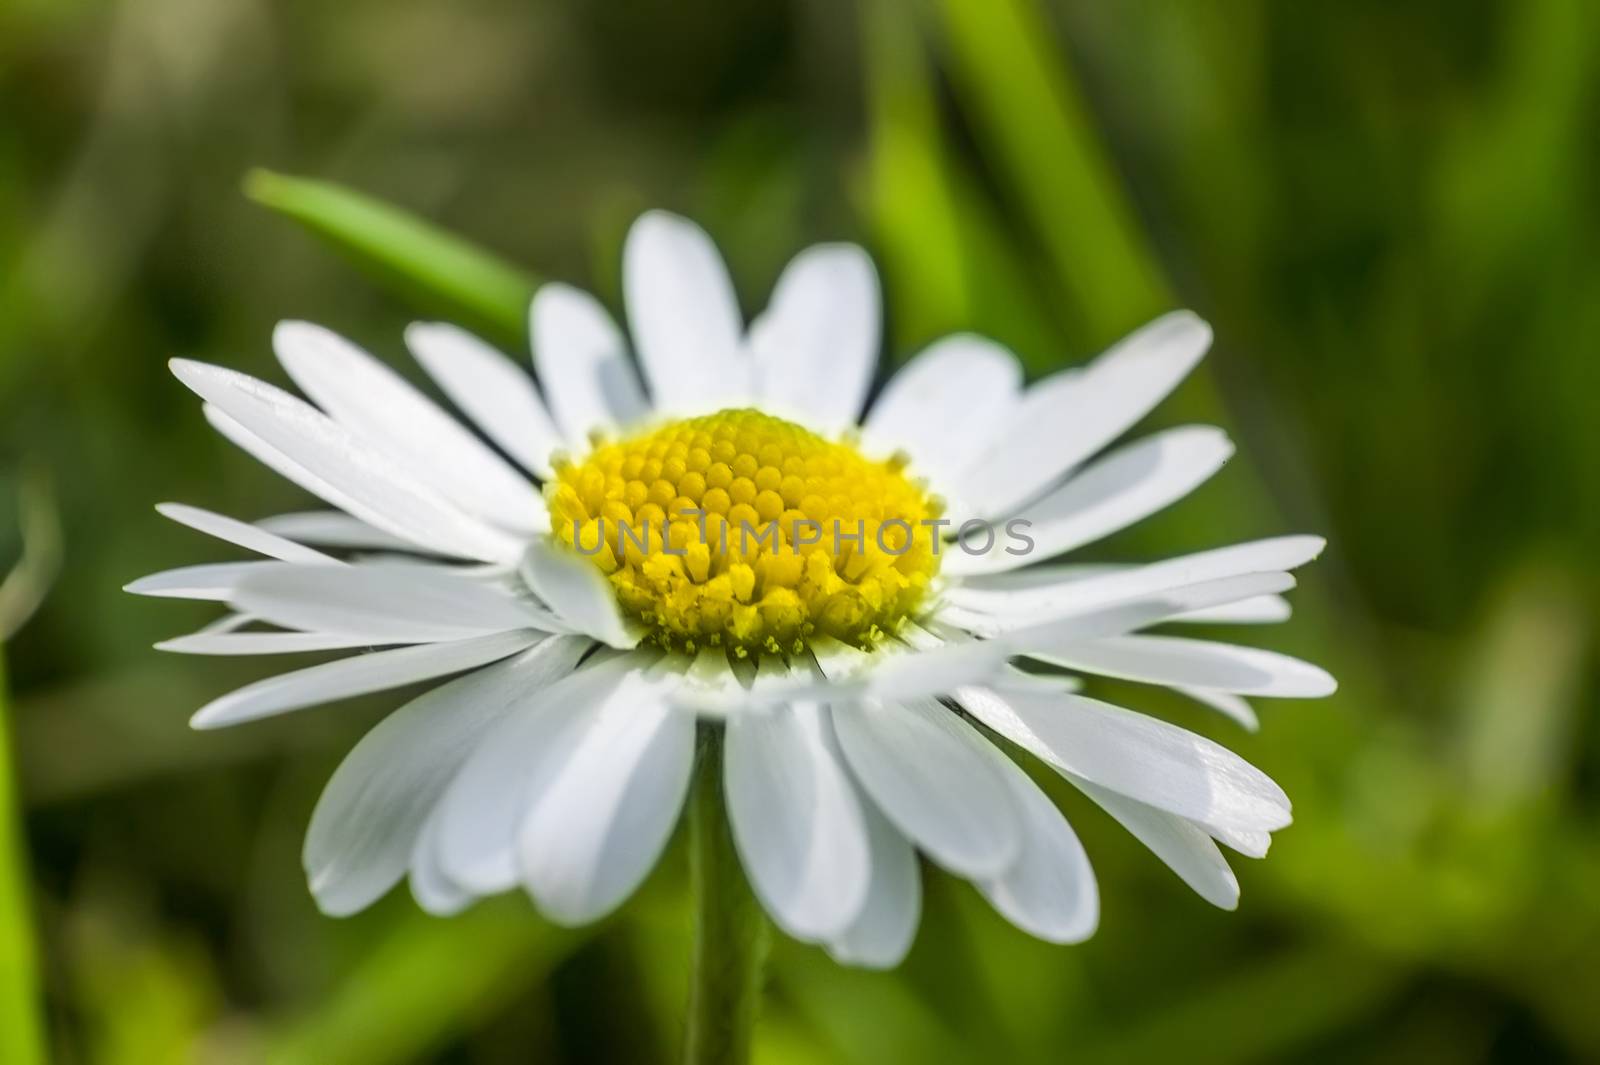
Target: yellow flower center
[(743, 530)]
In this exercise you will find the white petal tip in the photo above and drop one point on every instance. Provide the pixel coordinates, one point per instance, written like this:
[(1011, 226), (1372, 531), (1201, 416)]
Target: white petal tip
[(579, 593), (1190, 320), (218, 714), (564, 915), (658, 220), (1314, 683), (334, 908), (1183, 327), (189, 371), (552, 290), (856, 961), (292, 330), (1067, 937)]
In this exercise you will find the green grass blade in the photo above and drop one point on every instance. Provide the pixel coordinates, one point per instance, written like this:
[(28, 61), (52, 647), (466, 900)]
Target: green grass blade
[(443, 273), (21, 1028), (948, 265), (906, 190), (1033, 123)]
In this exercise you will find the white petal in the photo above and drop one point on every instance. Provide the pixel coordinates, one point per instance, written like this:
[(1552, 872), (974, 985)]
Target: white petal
[(323, 457), (1184, 848), (380, 406), (357, 675), (1262, 610), (1135, 755), (275, 460), (1110, 494), (711, 684), (1225, 703), (583, 364), (383, 601), (850, 674), (934, 671), (493, 391), (484, 805), (796, 820), (212, 581), (1013, 591), (928, 773), (1175, 660), (1050, 891), (594, 832), (1040, 589), (578, 593), (261, 643), (333, 528), (898, 673), (1249, 844), (935, 665), (817, 343), (431, 886), (1110, 619), (1075, 622), (684, 316), (952, 399), (370, 816), (242, 534), (883, 931), (1042, 575), (1067, 418)]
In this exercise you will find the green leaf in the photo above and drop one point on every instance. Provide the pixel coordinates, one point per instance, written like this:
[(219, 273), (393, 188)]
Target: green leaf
[(21, 1030), (440, 271)]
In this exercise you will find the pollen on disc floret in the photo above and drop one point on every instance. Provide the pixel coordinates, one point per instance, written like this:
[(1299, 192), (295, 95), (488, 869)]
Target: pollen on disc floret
[(743, 530)]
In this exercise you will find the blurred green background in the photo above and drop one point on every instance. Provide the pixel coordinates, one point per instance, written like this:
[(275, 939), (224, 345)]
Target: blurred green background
[(1388, 211)]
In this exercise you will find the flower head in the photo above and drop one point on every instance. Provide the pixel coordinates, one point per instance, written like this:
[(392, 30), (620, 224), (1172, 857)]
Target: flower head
[(741, 530), (730, 544)]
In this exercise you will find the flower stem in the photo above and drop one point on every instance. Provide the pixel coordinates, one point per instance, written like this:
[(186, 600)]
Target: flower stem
[(730, 931)]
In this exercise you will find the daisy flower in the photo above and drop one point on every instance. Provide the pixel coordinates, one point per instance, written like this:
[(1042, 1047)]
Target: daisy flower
[(580, 566)]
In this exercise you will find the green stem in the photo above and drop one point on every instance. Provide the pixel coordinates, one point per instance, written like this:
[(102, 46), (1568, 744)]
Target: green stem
[(730, 931), (21, 1032)]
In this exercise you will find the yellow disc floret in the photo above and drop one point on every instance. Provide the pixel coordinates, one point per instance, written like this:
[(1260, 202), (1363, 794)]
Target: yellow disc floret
[(742, 530)]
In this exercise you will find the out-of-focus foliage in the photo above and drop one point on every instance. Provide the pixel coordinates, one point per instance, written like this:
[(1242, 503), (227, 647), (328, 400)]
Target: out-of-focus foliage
[(1387, 211), (21, 1034)]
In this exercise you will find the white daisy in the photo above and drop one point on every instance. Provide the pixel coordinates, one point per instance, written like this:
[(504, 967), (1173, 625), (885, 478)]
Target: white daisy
[(858, 681)]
